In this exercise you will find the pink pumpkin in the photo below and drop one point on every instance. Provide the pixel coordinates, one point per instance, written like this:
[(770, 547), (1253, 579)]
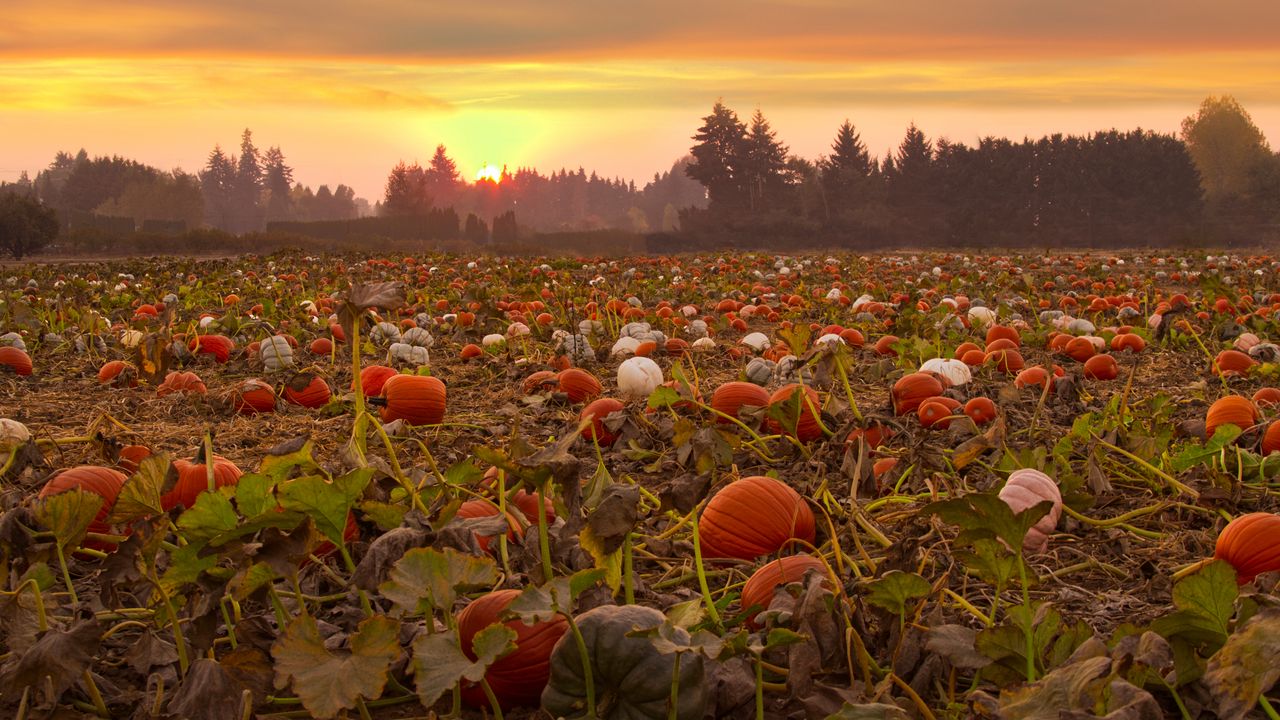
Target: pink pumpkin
[(1027, 488)]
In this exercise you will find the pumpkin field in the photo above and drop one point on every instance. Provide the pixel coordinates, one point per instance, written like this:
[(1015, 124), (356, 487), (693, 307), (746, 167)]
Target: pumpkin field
[(929, 485)]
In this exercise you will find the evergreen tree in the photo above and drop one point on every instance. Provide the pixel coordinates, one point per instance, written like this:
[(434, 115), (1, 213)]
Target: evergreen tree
[(278, 182), (911, 174), (443, 183), (847, 174), (406, 191), (26, 225), (217, 181), (247, 188), (719, 156), (766, 164)]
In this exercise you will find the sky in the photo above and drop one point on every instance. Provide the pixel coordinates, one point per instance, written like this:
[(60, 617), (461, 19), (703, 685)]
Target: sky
[(349, 89)]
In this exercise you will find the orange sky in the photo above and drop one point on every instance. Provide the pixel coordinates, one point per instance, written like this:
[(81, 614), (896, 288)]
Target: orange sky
[(348, 89)]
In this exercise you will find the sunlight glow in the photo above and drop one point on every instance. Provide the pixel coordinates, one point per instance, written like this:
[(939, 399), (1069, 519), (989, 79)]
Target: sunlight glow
[(490, 173)]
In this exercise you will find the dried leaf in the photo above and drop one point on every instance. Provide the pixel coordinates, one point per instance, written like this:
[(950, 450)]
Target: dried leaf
[(1246, 665), (330, 681)]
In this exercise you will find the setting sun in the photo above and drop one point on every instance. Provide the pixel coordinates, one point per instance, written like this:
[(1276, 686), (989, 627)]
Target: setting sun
[(489, 172)]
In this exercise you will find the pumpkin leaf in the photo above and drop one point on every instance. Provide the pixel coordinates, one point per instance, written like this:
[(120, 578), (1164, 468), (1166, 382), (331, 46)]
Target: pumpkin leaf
[(463, 473), (329, 681), (536, 604), (668, 638), (426, 579), (1206, 601), (687, 614), (54, 662), (283, 459), (895, 589), (610, 562), (140, 495), (68, 514), (869, 711), (186, 564), (1193, 453), (1245, 666), (992, 562), (985, 514), (253, 494), (663, 397), (327, 503), (211, 516), (439, 663)]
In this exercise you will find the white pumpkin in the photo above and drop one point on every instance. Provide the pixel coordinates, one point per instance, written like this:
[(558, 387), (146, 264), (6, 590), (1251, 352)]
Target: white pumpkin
[(12, 434), (955, 372), (418, 337), (13, 339), (981, 317), (625, 345), (757, 341), (759, 371), (131, 338), (830, 340), (704, 344), (1027, 488), (385, 333), (517, 329), (275, 353), (493, 340), (638, 377), (406, 354)]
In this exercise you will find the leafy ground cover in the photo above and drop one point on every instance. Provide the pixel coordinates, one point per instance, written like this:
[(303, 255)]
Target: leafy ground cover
[(726, 486)]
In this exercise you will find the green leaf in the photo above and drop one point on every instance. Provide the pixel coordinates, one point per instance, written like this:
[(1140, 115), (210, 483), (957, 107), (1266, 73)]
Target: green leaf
[(327, 503), (387, 516), (686, 614), (1193, 453), (609, 562), (211, 516), (185, 566), (327, 681), (68, 515), (439, 664), (663, 397), (253, 494), (893, 590), (537, 604), (280, 466), (982, 514), (140, 495), (426, 578), (463, 473), (1211, 593), (992, 562), (1246, 665)]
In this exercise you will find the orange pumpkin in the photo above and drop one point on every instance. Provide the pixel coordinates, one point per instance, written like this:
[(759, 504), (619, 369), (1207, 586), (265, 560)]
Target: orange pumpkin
[(754, 516), (540, 381), (1230, 410), (373, 377), (579, 385), (1271, 438), (981, 410), (321, 346), (103, 482), (596, 412), (807, 427), (472, 509), (309, 391), (884, 346), (1008, 361), (757, 593), (730, 398), (253, 396), (471, 351), (1251, 543), (1128, 342), (911, 390), (131, 456), (1036, 377), (193, 479), (220, 346), (1079, 349), (1003, 332), (937, 412), (1231, 363), (1101, 367), (16, 360), (416, 399), (874, 434), (181, 382), (1267, 397), (118, 373), (517, 679)]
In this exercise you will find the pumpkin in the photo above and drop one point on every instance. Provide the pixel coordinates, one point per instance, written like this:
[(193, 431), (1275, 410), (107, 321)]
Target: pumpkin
[(596, 412), (1267, 397), (118, 373), (1036, 377), (884, 465), (732, 396), (103, 482), (1230, 410), (517, 679), (1271, 439), (131, 456), (873, 435), (937, 412), (219, 346), (626, 668), (372, 378), (540, 381), (1231, 363), (807, 427), (321, 346), (1079, 349), (579, 385), (275, 353), (884, 346), (16, 360), (974, 358), (1128, 342), (187, 383), (1003, 332), (757, 593), (1008, 361), (953, 373), (911, 390), (965, 347), (638, 377), (307, 390), (13, 434), (416, 399), (1025, 489), (193, 479), (754, 516), (1101, 367), (981, 410), (471, 351), (1251, 543), (473, 509), (253, 396)]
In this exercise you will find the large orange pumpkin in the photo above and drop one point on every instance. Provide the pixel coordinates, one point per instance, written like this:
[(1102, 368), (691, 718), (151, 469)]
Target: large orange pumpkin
[(596, 412), (807, 427), (754, 516), (416, 399), (1230, 410), (517, 679), (472, 509), (1251, 543), (309, 391), (1230, 363), (757, 593), (118, 373), (103, 482), (373, 377), (579, 385), (220, 346), (193, 479), (1271, 438), (937, 412), (730, 398), (913, 389), (253, 396), (1101, 367), (16, 360)]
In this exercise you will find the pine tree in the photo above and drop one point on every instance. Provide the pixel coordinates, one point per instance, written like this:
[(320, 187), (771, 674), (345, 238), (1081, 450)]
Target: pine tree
[(247, 188), (406, 191), (443, 183), (765, 166), (911, 181), (216, 182), (847, 173), (719, 155), (278, 182)]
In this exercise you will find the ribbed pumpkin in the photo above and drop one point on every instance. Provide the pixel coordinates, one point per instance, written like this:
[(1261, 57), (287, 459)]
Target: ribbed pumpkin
[(321, 346), (1251, 543), (1008, 361), (540, 381), (1230, 363), (1230, 410), (516, 679), (131, 456), (309, 391), (757, 593), (1101, 367), (104, 482), (193, 479), (1271, 438), (1128, 342), (1079, 349), (118, 373), (1027, 488), (981, 410), (1267, 397), (253, 396), (187, 383), (596, 412), (472, 509), (754, 516), (730, 397), (913, 389), (884, 346), (416, 399), (579, 385), (807, 427), (220, 346), (998, 332), (937, 412), (16, 360), (373, 377)]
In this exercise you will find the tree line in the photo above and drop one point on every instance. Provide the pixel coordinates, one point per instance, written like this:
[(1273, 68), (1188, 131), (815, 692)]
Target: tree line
[(1219, 182)]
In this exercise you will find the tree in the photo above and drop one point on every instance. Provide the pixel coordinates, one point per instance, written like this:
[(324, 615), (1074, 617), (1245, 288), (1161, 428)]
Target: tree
[(217, 180), (505, 229), (847, 173), (26, 225), (278, 182), (719, 154), (911, 174), (1228, 149), (475, 231), (443, 183), (765, 166), (406, 192), (246, 189)]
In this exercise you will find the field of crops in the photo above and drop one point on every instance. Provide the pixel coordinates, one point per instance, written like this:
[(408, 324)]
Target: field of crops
[(738, 486)]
